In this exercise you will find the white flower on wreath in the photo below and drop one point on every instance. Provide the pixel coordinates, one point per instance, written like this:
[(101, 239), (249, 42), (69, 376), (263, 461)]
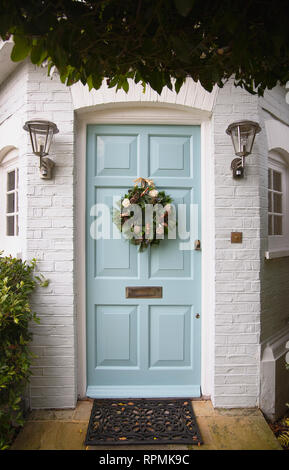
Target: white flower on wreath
[(137, 229), (126, 202), (153, 193), (160, 230)]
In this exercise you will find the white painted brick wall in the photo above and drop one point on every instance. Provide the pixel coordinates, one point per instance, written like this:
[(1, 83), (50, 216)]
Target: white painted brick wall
[(50, 238), (13, 109), (274, 273), (237, 280)]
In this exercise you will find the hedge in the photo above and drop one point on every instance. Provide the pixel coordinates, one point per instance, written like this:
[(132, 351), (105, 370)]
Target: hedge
[(16, 285)]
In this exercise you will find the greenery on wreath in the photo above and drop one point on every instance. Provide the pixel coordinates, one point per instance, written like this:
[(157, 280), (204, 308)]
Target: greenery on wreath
[(137, 230), (16, 285)]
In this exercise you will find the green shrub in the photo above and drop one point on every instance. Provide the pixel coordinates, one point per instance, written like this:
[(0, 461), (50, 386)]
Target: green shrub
[(16, 285)]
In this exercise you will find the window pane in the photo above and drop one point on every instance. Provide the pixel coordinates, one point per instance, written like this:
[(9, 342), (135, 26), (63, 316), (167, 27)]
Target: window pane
[(10, 226), (278, 203), (270, 228), (16, 226), (10, 203), (269, 179), (277, 184), (269, 201), (277, 225), (11, 180)]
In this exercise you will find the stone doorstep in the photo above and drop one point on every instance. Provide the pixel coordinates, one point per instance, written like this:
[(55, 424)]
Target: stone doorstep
[(80, 413), (221, 429)]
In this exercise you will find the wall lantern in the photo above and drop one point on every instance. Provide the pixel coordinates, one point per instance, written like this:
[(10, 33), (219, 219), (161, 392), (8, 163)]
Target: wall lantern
[(242, 134), (41, 134)]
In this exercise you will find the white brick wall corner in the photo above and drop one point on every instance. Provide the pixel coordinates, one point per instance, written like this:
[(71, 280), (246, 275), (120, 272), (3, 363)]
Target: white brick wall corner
[(237, 307), (51, 238)]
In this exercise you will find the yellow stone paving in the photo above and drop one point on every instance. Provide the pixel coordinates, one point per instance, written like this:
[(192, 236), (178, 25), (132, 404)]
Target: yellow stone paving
[(221, 429)]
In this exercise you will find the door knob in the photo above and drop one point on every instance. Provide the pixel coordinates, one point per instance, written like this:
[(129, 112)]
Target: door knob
[(197, 245)]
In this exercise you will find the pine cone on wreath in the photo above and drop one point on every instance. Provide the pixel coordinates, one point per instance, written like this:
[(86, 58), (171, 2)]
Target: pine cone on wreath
[(134, 198)]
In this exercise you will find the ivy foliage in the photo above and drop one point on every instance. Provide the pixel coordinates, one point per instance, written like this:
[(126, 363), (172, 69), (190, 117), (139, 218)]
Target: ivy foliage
[(156, 42), (16, 284)]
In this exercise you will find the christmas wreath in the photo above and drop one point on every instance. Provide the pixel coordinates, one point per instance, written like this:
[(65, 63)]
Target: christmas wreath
[(140, 229)]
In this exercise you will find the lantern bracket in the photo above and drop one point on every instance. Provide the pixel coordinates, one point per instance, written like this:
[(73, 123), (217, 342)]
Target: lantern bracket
[(45, 168)]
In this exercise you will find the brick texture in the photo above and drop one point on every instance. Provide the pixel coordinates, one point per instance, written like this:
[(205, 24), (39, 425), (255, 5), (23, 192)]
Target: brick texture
[(237, 278), (51, 239), (274, 273)]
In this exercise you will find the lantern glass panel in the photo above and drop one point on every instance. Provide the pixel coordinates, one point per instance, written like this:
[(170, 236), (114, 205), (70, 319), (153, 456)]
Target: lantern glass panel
[(243, 139), (41, 134), (41, 137)]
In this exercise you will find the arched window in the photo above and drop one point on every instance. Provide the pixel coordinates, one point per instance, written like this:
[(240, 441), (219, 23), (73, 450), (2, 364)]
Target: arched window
[(278, 201), (9, 201)]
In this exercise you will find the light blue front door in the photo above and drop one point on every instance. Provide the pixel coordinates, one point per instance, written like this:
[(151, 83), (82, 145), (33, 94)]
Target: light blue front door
[(142, 347)]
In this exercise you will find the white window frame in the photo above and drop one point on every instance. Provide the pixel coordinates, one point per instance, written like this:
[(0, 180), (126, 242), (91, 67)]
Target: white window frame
[(280, 242), (10, 244), (14, 191)]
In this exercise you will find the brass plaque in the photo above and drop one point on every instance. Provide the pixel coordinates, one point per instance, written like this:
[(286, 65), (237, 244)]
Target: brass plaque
[(236, 237), (144, 292)]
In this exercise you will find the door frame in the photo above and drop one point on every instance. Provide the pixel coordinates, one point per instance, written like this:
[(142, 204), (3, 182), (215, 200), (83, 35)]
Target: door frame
[(148, 114)]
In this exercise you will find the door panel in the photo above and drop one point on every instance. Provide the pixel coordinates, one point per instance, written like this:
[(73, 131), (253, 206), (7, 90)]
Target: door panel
[(116, 335), (170, 336), (170, 155), (142, 347), (116, 155), (113, 257)]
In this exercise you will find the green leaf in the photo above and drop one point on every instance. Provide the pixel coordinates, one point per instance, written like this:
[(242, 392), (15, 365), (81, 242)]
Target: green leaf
[(125, 85), (38, 54), (156, 81), (111, 83), (21, 49), (97, 81), (184, 6), (89, 82), (178, 84), (137, 77)]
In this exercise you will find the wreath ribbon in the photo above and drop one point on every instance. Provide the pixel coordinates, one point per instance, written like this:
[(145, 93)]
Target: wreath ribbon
[(144, 182)]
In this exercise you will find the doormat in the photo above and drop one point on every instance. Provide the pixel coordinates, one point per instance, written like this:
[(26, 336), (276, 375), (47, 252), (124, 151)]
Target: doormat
[(142, 421)]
